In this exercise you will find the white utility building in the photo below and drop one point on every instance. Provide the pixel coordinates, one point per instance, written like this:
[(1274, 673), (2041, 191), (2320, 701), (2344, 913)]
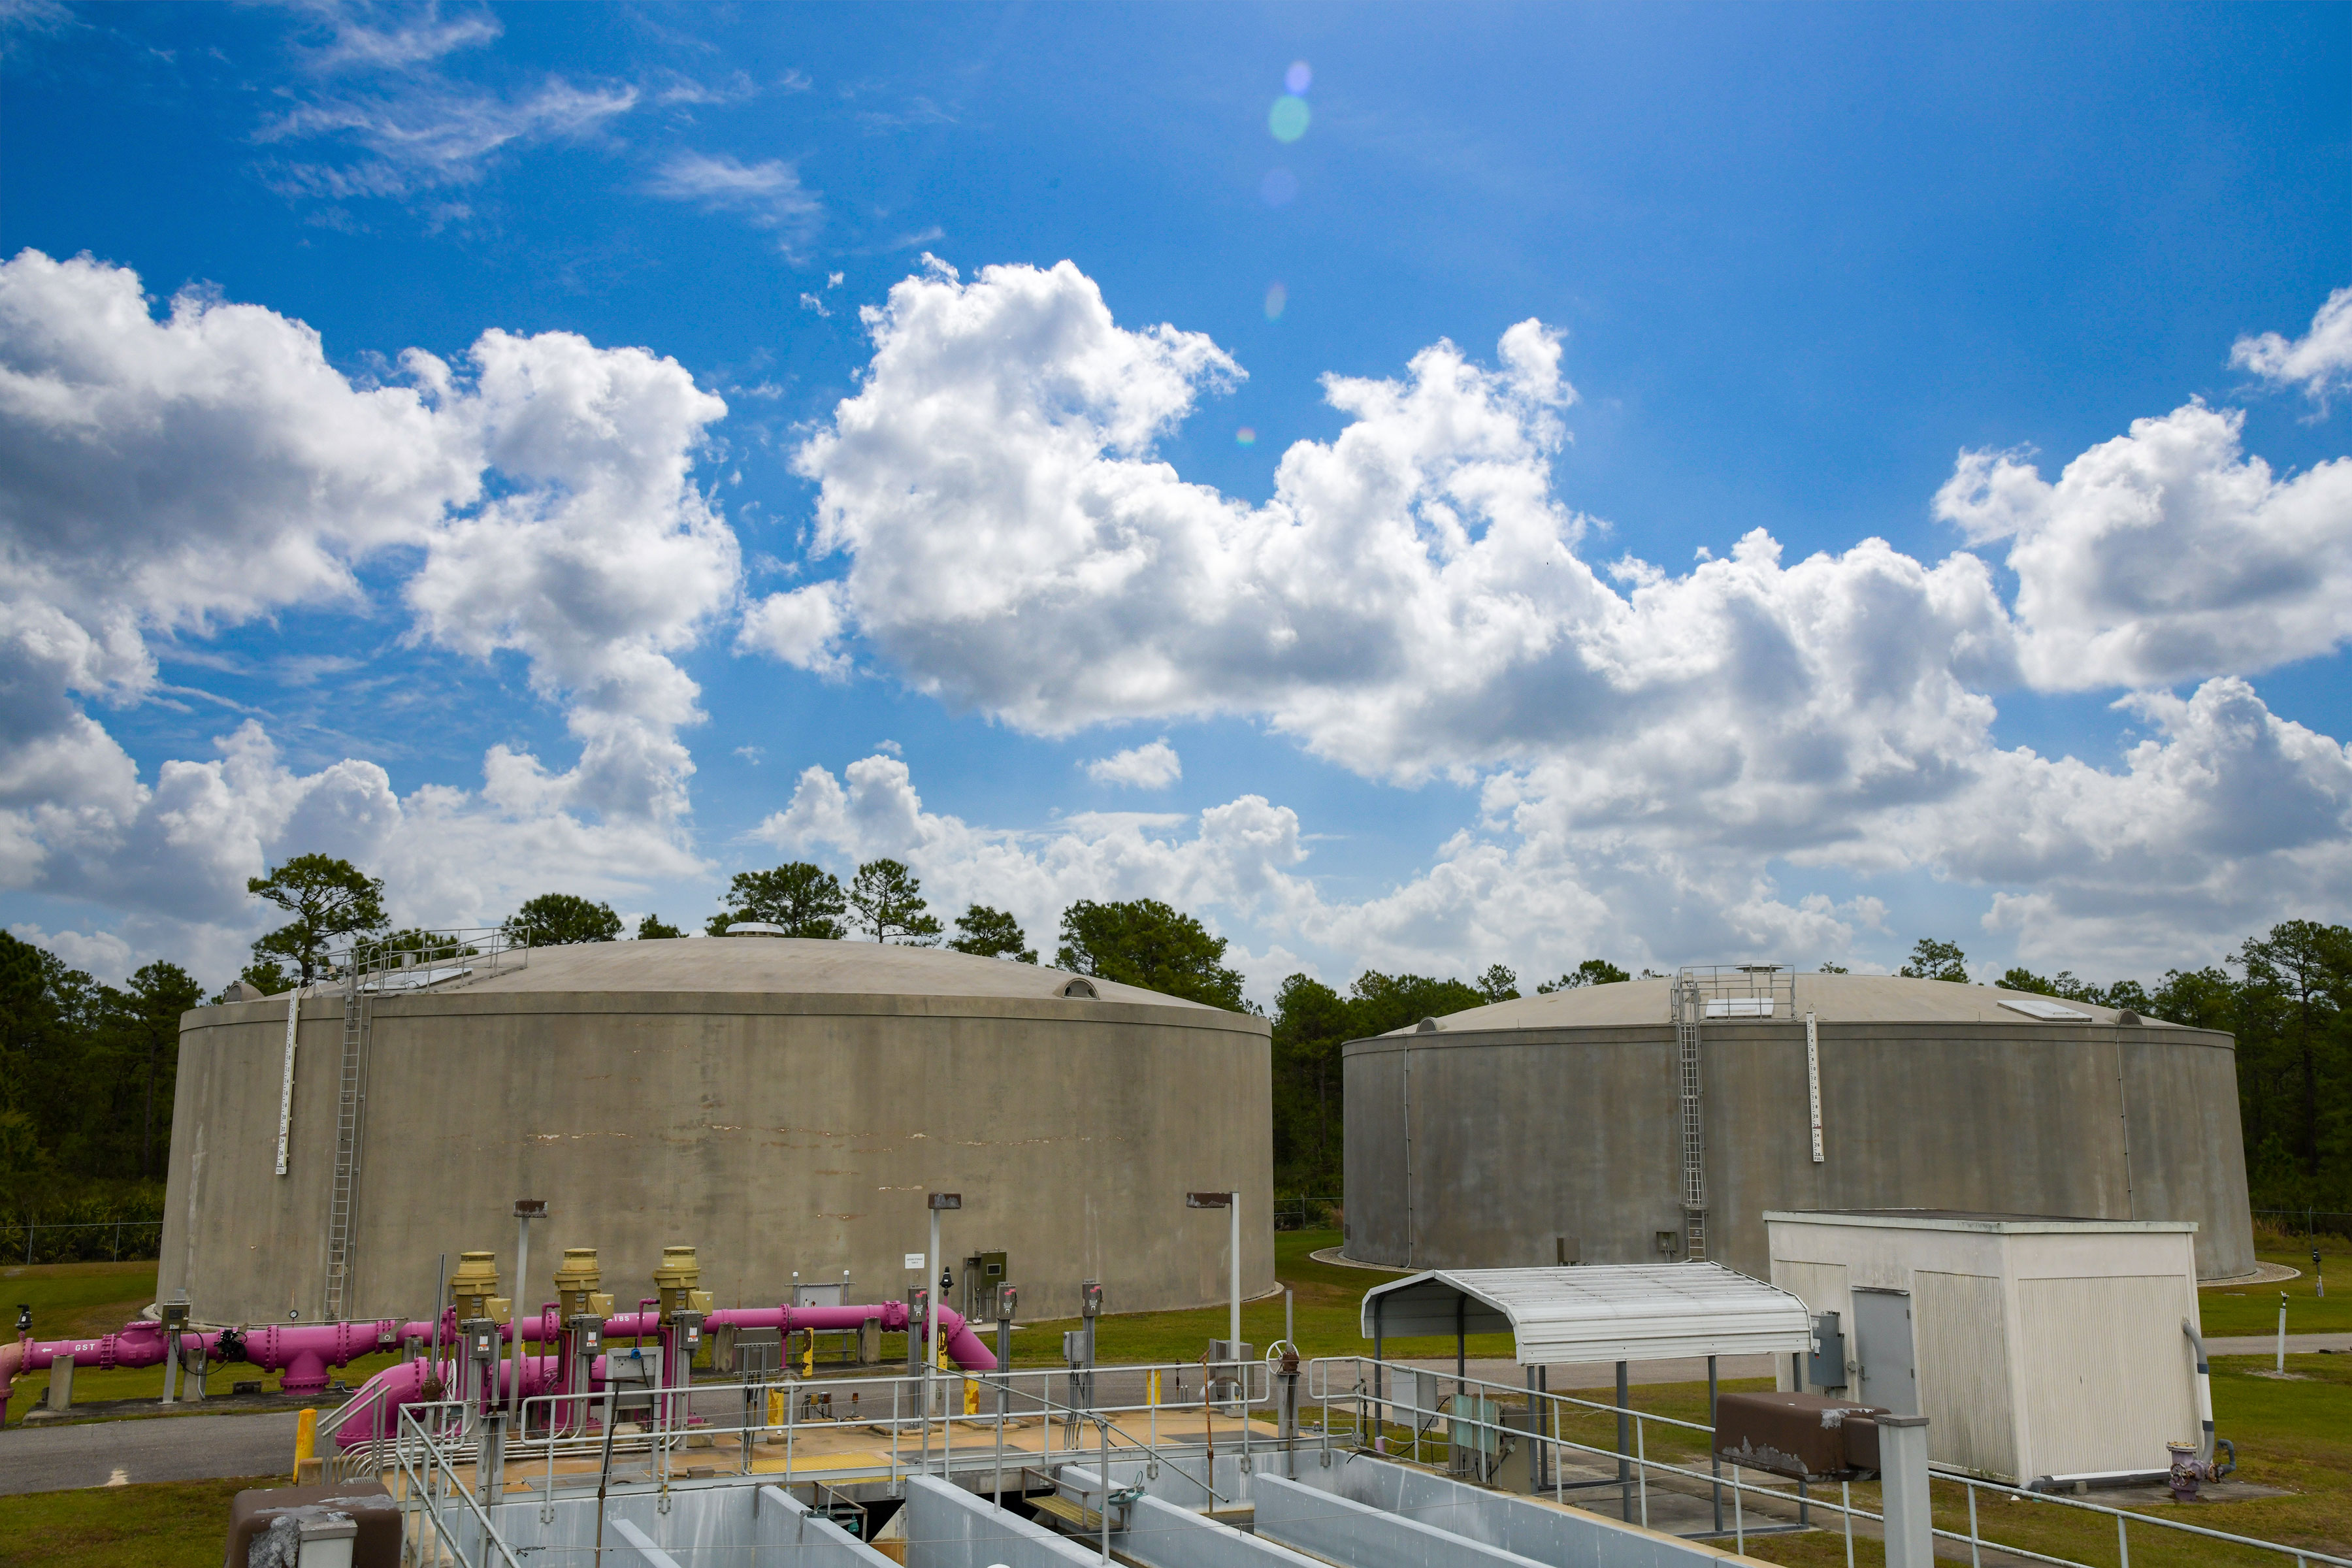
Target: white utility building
[(2041, 1349)]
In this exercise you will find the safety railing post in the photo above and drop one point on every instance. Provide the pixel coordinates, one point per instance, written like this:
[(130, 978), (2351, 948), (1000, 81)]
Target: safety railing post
[(1739, 1516), (1642, 1457)]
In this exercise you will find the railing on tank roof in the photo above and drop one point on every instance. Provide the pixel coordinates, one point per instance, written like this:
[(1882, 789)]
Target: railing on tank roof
[(1727, 991), (420, 960)]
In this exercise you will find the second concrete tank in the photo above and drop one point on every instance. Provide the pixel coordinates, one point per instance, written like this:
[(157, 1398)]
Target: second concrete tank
[(1547, 1129)]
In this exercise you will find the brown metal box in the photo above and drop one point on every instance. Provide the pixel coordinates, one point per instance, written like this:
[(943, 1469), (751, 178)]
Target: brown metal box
[(371, 1508), (1800, 1435)]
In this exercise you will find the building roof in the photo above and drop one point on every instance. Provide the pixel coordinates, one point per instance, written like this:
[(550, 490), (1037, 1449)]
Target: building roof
[(785, 966), (1831, 998), (1970, 1219), (1634, 1311)]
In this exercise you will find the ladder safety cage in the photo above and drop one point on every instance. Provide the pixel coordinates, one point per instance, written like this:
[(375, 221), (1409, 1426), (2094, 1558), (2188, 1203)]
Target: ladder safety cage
[(1722, 992)]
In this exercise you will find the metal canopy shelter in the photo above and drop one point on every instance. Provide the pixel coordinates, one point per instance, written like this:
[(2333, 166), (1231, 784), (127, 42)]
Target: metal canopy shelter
[(1619, 1312), (1636, 1311)]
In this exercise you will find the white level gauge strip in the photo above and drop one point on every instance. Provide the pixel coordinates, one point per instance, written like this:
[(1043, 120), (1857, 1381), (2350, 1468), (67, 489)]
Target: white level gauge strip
[(286, 1085), (1814, 1080)]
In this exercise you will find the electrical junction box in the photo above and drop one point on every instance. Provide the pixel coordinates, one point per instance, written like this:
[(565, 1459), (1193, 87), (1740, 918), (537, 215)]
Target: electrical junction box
[(1008, 1298), (1090, 1299), (1825, 1365)]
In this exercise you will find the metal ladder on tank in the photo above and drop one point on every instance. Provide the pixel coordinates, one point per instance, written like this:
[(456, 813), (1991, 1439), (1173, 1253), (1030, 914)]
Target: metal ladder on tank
[(351, 1107), (1691, 1113)]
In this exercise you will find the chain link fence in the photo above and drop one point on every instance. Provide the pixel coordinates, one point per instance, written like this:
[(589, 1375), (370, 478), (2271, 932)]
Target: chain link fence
[(103, 1241)]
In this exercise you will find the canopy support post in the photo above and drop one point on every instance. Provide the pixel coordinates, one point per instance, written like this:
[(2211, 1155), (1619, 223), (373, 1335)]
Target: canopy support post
[(1713, 1457), (1624, 1471)]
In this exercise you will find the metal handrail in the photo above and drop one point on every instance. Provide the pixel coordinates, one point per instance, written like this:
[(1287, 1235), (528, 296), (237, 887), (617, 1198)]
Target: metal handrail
[(417, 1486), (1360, 1393)]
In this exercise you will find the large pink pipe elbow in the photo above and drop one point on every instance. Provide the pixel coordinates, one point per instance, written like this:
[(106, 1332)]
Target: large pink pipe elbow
[(11, 1357)]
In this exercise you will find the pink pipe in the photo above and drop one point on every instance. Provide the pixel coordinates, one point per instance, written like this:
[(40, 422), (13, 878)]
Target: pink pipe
[(304, 1352), (540, 1373)]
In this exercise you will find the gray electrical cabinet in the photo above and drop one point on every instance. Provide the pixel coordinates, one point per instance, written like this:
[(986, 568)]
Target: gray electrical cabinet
[(982, 1273)]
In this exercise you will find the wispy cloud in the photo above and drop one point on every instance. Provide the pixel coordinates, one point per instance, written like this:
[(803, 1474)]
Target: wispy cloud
[(919, 110), (768, 194), (418, 39), (735, 89), (422, 137)]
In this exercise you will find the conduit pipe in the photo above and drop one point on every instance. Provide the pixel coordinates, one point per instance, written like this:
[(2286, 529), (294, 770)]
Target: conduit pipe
[(304, 1352)]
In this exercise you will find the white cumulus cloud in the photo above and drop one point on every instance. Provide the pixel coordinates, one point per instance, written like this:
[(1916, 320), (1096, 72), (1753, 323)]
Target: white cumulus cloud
[(192, 472), (2320, 361), (2164, 554), (1413, 599), (1154, 766)]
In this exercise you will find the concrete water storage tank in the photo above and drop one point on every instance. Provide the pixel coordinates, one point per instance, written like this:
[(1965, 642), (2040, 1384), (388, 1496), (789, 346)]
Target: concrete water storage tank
[(779, 1105), (1587, 1125)]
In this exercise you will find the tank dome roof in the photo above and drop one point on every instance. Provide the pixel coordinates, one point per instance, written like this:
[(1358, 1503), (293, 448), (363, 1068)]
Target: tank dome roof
[(794, 966), (1831, 998)]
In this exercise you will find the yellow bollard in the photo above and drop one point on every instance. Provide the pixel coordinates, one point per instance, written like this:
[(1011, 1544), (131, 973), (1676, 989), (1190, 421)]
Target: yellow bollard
[(305, 1442), (775, 1407), (808, 1355), (1152, 1387), (971, 1397)]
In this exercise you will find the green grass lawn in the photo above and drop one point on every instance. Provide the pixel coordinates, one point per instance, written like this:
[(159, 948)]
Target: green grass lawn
[(2253, 1308), (1325, 1299), (2294, 1435), (161, 1524)]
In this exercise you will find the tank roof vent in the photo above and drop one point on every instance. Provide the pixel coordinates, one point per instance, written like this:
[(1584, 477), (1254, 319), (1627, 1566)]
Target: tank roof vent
[(1427, 1026), (2127, 1018), (754, 927), (1080, 986), (2048, 1012)]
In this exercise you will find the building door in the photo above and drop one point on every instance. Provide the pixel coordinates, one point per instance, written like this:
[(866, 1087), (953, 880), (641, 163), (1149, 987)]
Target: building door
[(1881, 1344)]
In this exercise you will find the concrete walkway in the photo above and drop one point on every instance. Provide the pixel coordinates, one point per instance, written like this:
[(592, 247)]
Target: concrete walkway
[(181, 1449), (2264, 1345)]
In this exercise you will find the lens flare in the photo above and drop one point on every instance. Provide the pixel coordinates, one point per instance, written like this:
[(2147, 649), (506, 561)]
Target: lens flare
[(1287, 118), (1244, 437), (1276, 297), (1279, 188), (1298, 79)]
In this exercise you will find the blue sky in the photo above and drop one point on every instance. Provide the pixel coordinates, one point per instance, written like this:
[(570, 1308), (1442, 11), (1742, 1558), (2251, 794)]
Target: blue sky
[(1786, 265)]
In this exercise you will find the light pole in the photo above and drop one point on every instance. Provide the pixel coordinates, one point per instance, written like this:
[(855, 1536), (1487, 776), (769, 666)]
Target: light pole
[(937, 1201), (1231, 1203), (525, 1210)]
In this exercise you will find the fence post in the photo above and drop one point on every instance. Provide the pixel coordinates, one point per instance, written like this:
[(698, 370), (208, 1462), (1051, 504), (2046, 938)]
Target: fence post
[(1903, 1467)]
